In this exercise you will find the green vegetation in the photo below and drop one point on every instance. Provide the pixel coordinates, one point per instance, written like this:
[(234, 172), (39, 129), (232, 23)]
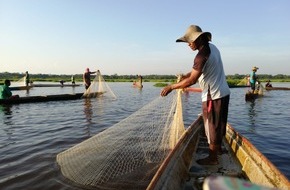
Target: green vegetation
[(160, 84), (158, 79)]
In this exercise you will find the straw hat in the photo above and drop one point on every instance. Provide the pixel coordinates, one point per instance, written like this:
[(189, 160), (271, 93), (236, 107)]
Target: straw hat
[(192, 33), (255, 68)]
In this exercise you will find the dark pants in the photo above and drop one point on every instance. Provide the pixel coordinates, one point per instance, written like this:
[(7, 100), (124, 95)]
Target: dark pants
[(215, 116)]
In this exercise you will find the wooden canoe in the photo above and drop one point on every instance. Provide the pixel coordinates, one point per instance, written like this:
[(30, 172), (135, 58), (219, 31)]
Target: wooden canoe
[(240, 160), (20, 87), (252, 96), (277, 88), (55, 85), (32, 99)]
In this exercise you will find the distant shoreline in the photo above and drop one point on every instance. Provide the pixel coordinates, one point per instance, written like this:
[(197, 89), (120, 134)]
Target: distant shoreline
[(232, 79)]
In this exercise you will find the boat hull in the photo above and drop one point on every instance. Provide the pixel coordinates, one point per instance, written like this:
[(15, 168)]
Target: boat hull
[(277, 88), (55, 85), (20, 87), (252, 96), (240, 160), (33, 99)]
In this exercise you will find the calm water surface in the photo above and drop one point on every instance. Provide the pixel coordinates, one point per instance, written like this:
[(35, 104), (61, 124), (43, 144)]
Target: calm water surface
[(31, 135)]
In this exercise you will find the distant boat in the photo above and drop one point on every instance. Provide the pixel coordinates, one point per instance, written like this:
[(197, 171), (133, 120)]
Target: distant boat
[(252, 96), (277, 88), (33, 99), (20, 87), (55, 85)]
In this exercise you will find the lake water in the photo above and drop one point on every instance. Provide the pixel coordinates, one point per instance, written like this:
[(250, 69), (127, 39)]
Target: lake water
[(31, 135)]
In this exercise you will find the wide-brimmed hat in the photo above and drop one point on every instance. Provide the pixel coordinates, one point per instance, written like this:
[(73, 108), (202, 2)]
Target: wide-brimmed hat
[(192, 33), (255, 68)]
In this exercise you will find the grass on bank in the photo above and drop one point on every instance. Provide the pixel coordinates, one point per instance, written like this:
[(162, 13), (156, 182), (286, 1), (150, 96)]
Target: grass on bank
[(160, 80)]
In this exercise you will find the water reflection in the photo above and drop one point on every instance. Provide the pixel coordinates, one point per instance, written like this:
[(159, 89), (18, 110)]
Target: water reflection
[(7, 126), (252, 116), (88, 114), (27, 92), (6, 109)]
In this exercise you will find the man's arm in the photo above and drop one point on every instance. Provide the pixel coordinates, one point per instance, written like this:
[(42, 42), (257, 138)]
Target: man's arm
[(193, 77)]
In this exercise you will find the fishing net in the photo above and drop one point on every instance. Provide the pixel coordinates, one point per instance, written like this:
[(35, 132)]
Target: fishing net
[(21, 81), (244, 81), (127, 155), (260, 89), (98, 87)]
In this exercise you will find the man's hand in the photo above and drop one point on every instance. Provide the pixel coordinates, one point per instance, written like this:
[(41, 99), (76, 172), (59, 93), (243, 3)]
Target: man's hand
[(165, 91)]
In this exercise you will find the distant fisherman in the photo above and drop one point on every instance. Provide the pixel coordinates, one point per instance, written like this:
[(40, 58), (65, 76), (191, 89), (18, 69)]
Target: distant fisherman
[(73, 80), (253, 79), (87, 78), (27, 78)]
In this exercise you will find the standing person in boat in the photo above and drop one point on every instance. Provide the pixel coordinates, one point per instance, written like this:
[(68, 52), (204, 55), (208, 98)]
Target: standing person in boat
[(5, 92), (209, 72), (87, 77), (27, 78), (73, 80), (253, 79), (140, 81)]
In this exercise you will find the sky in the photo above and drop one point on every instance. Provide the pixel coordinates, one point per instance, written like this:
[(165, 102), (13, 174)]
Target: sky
[(127, 37)]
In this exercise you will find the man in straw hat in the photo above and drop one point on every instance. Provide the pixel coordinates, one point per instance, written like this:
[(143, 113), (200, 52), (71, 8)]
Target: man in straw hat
[(208, 71), (253, 79)]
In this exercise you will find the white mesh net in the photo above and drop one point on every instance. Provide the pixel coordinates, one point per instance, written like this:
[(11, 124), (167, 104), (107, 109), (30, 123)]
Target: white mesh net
[(259, 89), (99, 86), (244, 81), (126, 155)]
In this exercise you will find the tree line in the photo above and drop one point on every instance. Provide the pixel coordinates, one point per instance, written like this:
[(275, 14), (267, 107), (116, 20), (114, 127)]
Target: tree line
[(130, 78)]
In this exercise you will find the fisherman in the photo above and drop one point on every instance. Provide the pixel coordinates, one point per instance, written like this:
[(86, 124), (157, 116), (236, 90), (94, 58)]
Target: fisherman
[(268, 84), (87, 77), (27, 78), (208, 70), (253, 79), (73, 80), (5, 92)]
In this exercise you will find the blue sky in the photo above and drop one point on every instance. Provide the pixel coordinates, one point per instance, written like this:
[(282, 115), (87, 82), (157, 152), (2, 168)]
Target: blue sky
[(138, 37)]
